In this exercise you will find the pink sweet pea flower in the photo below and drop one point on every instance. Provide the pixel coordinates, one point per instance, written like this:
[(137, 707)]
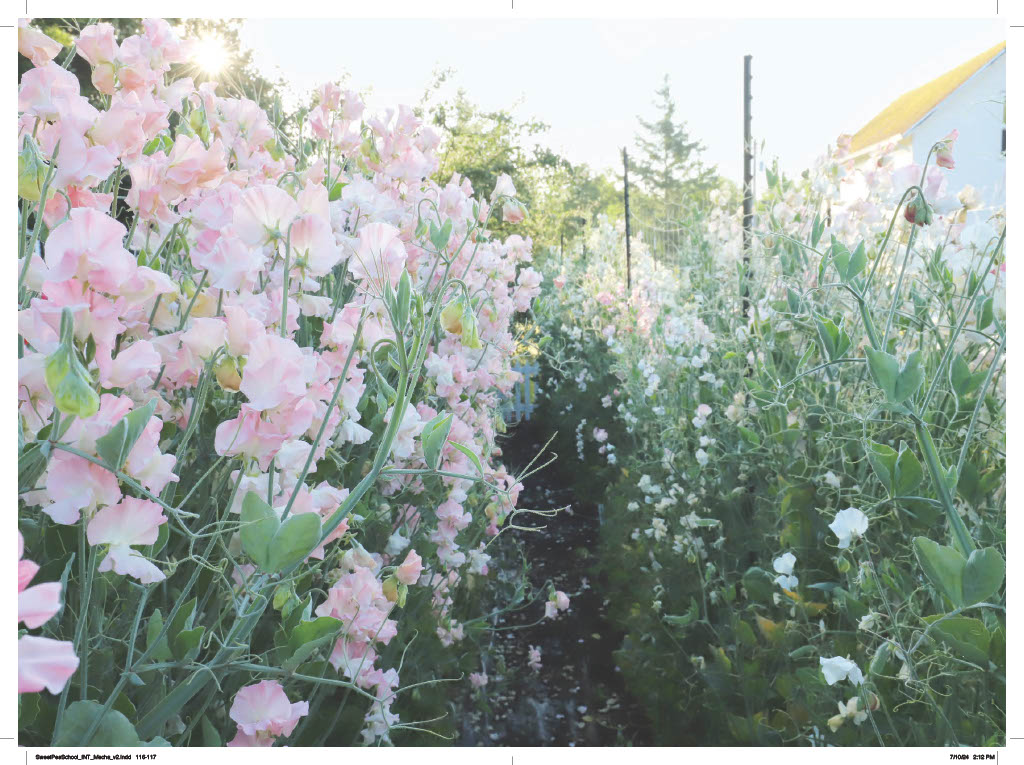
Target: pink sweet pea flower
[(34, 45), (410, 570), (534, 659), (276, 372), (138, 363), (312, 245), (46, 91), (503, 187), (263, 712), (250, 436), (379, 257), (513, 212), (263, 215), (90, 247), (130, 522), (478, 679), (944, 155), (36, 604), (44, 663)]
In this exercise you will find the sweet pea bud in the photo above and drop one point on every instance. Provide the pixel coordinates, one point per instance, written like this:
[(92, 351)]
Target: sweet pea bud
[(917, 211), (404, 298), (470, 331), (390, 589), (369, 150), (197, 121), (842, 564), (513, 211), (451, 317), (32, 172), (227, 373), (67, 378), (274, 150)]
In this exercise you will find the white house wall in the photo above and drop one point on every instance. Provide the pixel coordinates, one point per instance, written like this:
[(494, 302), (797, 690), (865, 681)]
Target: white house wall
[(976, 110)]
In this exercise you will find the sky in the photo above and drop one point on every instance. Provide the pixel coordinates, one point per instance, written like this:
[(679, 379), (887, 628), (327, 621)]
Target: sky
[(590, 79)]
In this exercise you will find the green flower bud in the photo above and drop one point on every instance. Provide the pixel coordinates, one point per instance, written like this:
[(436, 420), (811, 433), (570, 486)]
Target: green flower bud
[(32, 169), (67, 378), (404, 298), (228, 373)]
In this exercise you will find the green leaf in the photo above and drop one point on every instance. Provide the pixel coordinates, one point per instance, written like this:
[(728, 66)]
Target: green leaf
[(817, 229), (749, 436), (186, 643), (910, 378), (897, 384), (114, 729), (691, 615), (983, 575), (967, 637), (210, 735), (294, 541), (115, 446), (259, 524), (759, 584), (883, 461), (307, 637), (433, 436), (960, 378), (162, 652), (31, 464), (908, 473), (834, 339), (182, 621), (944, 568), (272, 545), (858, 261), (985, 314), (471, 454)]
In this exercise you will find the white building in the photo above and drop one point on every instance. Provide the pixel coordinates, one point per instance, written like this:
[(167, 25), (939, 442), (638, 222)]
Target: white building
[(970, 98)]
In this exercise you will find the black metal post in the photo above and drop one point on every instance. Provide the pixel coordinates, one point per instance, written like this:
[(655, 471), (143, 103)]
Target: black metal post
[(625, 178), (748, 184)]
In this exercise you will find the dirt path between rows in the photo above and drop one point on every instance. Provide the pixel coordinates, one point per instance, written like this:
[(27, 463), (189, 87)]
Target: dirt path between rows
[(578, 698)]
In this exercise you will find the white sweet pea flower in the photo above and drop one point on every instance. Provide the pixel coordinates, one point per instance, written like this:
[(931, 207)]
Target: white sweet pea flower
[(848, 711), (867, 621), (837, 668), (783, 566), (832, 479), (849, 524), (396, 543)]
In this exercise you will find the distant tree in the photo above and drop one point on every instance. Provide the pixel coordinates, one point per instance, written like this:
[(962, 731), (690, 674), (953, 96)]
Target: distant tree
[(561, 198), (668, 163)]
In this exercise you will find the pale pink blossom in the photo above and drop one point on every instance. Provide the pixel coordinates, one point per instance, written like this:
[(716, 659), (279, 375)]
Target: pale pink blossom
[(35, 45), (263, 711), (130, 522), (409, 572)]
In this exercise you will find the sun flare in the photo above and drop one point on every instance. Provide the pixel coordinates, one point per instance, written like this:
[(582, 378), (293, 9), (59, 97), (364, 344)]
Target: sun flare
[(211, 55)]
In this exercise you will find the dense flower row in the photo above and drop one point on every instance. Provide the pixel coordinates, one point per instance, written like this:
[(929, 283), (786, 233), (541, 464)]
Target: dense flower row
[(736, 441), (214, 310)]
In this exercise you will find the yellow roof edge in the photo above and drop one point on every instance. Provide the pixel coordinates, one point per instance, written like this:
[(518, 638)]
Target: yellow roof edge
[(911, 107)]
